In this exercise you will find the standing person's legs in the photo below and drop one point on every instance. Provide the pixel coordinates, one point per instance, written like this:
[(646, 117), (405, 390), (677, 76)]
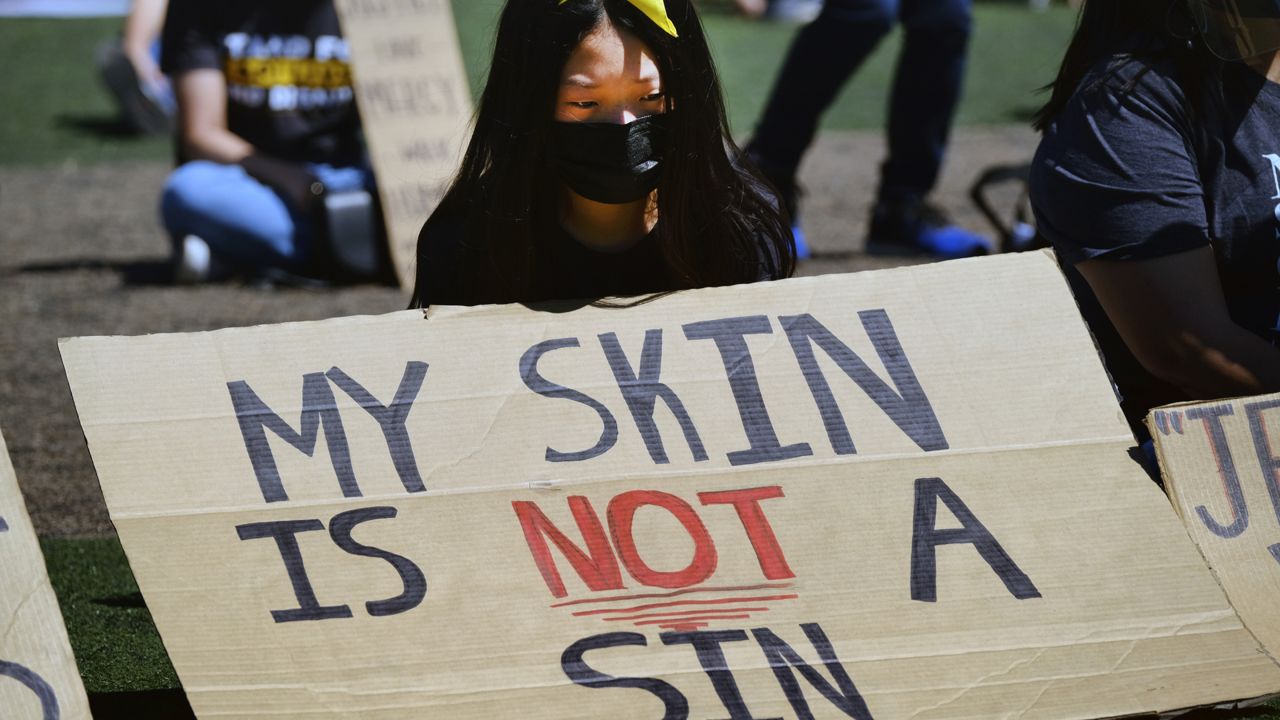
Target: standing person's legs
[(823, 56), (245, 224), (926, 91)]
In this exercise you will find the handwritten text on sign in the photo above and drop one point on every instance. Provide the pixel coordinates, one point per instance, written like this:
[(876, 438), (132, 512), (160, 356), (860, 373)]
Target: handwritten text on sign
[(902, 399), (600, 560), (1208, 419), (787, 500), (1221, 461), (38, 676)]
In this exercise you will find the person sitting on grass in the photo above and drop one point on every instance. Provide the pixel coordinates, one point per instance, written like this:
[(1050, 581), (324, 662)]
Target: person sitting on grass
[(600, 165), (1157, 181), (268, 126)]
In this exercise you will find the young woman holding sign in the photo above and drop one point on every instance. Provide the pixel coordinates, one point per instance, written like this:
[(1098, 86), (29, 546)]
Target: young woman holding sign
[(600, 165), (1158, 182)]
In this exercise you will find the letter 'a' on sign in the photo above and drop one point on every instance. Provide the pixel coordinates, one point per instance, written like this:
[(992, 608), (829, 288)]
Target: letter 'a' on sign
[(887, 495), (1220, 462), (926, 537), (414, 105), (38, 675)]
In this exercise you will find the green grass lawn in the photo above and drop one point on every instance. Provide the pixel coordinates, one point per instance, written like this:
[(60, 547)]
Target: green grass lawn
[(55, 111), (115, 643)]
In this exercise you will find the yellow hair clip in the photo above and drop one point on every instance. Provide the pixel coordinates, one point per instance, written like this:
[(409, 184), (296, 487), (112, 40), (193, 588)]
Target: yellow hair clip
[(655, 10)]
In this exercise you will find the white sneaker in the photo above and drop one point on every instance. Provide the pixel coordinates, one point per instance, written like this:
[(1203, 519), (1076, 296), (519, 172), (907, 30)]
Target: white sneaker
[(194, 261)]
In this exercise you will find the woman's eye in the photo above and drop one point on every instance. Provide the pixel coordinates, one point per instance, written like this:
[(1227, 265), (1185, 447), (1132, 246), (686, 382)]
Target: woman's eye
[(583, 104), (653, 97)]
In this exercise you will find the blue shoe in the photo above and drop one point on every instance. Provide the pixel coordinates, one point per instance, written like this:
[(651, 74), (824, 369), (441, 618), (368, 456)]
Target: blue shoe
[(802, 247), (914, 227)]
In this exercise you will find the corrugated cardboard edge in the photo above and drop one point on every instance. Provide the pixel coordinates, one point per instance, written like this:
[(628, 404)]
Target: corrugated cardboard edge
[(1171, 492), (72, 696)]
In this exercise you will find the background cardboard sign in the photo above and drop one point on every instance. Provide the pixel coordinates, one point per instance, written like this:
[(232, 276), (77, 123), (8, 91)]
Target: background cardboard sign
[(1220, 462), (38, 675), (881, 495), (414, 106)]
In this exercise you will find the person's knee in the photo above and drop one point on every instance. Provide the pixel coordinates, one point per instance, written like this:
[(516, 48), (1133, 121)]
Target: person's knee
[(225, 206), (875, 15), (185, 196)]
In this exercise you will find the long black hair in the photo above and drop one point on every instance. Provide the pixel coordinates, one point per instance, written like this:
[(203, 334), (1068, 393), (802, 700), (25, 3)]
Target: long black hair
[(714, 211), (1132, 31)]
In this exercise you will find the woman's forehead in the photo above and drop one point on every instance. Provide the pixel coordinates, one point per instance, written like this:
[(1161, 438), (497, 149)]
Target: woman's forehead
[(609, 55)]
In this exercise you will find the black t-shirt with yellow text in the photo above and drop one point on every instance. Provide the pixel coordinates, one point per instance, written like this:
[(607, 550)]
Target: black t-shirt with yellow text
[(287, 69)]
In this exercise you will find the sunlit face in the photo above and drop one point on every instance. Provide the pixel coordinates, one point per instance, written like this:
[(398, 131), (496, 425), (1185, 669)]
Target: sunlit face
[(611, 77)]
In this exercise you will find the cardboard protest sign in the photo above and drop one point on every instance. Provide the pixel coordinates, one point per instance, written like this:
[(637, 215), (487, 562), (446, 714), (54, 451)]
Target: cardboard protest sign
[(38, 675), (892, 494), (414, 103), (1220, 461)]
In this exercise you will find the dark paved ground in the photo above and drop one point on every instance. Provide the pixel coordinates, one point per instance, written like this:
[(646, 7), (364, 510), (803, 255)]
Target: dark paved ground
[(81, 253)]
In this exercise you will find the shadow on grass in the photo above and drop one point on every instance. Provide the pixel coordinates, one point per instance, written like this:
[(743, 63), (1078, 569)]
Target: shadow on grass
[(162, 704), (140, 705), (129, 600), (99, 126), (119, 652), (1021, 115), (133, 272)]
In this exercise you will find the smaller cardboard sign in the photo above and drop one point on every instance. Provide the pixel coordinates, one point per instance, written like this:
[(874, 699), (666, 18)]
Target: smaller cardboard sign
[(414, 105), (1221, 465), (38, 676)]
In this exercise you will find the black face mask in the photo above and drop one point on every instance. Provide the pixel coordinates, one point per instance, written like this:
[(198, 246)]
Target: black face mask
[(611, 163)]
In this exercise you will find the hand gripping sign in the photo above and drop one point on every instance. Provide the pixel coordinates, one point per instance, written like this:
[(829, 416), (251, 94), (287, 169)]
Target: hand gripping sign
[(38, 676), (892, 494)]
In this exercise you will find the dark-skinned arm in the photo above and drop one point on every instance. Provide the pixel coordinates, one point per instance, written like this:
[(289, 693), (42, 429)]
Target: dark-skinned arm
[(1171, 313)]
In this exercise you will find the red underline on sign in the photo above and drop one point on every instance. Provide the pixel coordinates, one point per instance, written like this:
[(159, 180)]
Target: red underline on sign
[(648, 596), (717, 601), (663, 623), (676, 614)]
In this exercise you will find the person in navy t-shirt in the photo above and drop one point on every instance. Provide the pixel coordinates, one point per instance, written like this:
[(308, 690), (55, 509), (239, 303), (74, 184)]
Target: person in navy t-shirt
[(1158, 183)]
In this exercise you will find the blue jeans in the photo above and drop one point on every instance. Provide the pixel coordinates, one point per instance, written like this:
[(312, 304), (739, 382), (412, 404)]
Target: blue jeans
[(926, 87), (246, 224)]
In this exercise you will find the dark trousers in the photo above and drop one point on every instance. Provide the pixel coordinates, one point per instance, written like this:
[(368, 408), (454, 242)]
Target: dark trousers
[(926, 87)]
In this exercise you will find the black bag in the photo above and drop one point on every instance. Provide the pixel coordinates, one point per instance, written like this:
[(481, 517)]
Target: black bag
[(351, 242)]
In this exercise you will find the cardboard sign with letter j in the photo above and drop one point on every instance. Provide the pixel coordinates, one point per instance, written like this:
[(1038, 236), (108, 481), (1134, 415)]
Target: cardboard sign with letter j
[(1221, 464)]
